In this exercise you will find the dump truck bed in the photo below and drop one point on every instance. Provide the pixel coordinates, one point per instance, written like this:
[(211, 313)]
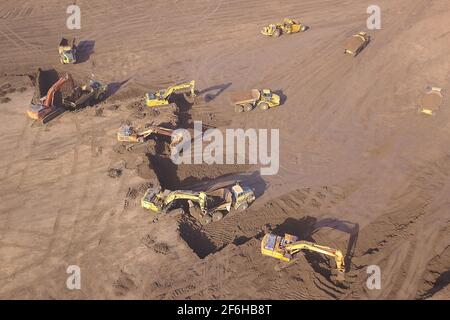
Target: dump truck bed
[(245, 96), (354, 43)]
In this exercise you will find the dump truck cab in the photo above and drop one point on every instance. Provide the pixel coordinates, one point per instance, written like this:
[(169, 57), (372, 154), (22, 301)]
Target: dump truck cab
[(242, 197)]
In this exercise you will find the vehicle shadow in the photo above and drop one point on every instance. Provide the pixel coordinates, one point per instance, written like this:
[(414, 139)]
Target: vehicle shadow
[(114, 87), (216, 91), (84, 50)]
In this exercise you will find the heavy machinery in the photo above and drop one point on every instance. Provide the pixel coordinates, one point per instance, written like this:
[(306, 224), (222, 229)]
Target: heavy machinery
[(285, 248), (45, 110), (161, 97), (130, 134), (288, 26), (431, 100), (357, 43), (81, 96), (212, 205), (67, 51), (263, 99)]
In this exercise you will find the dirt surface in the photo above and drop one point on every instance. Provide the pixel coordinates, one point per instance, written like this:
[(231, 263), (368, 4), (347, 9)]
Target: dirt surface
[(360, 168)]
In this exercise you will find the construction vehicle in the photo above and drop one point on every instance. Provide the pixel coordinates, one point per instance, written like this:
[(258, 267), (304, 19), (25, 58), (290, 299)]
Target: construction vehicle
[(212, 205), (285, 248), (67, 51), (431, 101), (81, 96), (130, 134), (45, 110), (288, 26), (357, 43), (161, 97), (263, 99)]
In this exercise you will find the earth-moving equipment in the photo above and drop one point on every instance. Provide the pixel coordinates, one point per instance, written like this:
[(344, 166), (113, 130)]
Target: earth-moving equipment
[(288, 26), (130, 134), (212, 205), (161, 97), (45, 110), (285, 248), (357, 43), (431, 100), (94, 91), (263, 99), (67, 51)]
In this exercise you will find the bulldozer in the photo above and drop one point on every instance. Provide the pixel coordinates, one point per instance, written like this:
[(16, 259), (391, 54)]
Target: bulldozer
[(93, 91), (133, 135), (263, 99), (67, 51), (45, 110), (357, 43), (288, 26), (212, 205), (285, 248), (161, 97)]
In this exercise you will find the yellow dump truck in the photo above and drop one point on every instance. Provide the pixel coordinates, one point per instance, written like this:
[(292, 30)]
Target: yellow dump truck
[(263, 99), (357, 43), (67, 51)]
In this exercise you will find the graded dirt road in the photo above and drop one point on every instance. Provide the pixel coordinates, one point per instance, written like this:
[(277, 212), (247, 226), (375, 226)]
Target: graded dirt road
[(360, 169)]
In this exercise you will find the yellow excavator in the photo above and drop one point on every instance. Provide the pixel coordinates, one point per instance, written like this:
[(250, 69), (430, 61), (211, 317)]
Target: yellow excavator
[(161, 97), (285, 249), (212, 204), (130, 134)]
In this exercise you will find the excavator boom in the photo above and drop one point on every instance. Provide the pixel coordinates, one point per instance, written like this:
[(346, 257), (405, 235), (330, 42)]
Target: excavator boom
[(178, 87), (127, 133), (53, 89), (45, 110)]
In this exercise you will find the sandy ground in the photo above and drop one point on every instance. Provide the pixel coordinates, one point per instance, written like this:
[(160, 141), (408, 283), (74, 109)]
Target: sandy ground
[(360, 169)]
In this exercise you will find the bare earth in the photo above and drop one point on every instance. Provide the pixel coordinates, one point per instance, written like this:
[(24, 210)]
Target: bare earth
[(360, 169)]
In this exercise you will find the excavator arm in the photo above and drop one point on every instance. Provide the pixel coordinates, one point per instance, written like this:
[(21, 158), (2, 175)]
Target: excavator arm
[(198, 197), (305, 245), (285, 248), (53, 89), (178, 87), (175, 139)]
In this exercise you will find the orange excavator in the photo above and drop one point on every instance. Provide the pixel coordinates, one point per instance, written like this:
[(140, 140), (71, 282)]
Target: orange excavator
[(46, 110)]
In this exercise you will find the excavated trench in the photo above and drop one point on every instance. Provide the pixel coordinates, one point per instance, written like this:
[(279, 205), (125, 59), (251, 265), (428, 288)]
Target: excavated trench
[(187, 176)]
